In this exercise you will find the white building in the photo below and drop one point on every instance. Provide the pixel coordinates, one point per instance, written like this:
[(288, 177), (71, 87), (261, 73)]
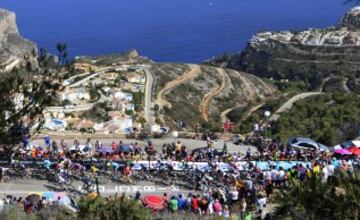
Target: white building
[(75, 94), (122, 96)]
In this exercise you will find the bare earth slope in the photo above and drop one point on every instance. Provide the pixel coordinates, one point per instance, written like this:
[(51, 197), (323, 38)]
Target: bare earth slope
[(197, 93)]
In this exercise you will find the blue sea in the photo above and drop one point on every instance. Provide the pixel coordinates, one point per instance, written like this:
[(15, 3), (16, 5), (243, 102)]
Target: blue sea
[(165, 30)]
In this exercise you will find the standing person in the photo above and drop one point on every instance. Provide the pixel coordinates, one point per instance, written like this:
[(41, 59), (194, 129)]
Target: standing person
[(195, 204), (331, 172), (88, 146), (243, 208), (98, 144), (324, 174), (204, 205), (166, 199), (234, 195), (181, 202), (76, 144), (113, 146), (217, 207), (173, 204), (47, 141), (55, 148), (226, 212)]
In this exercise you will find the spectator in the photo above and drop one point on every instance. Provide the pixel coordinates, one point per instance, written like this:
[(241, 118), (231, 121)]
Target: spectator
[(181, 202), (173, 204), (217, 207)]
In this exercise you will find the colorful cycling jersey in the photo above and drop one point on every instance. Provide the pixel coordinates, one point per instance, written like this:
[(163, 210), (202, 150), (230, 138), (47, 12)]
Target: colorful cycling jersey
[(115, 165), (94, 169), (47, 164), (76, 166)]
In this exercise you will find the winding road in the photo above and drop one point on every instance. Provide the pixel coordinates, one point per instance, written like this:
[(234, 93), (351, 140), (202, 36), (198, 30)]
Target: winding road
[(191, 74), (288, 104), (205, 102)]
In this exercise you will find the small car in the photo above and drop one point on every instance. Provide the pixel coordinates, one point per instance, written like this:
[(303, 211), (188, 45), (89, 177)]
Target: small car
[(301, 143)]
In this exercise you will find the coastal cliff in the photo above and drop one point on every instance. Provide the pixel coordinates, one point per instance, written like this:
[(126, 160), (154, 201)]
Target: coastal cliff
[(13, 47), (311, 55)]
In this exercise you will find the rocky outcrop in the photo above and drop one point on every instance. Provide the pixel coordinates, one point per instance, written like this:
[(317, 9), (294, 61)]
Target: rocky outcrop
[(13, 47), (352, 18), (310, 55)]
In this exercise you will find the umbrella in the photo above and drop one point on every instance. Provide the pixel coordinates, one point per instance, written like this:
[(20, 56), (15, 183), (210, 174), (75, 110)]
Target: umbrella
[(33, 199), (49, 195), (342, 152), (355, 151), (153, 202)]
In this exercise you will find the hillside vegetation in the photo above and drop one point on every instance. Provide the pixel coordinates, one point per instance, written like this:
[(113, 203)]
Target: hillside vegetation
[(329, 119)]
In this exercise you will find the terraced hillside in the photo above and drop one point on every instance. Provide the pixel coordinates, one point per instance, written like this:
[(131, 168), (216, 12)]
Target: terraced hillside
[(198, 93)]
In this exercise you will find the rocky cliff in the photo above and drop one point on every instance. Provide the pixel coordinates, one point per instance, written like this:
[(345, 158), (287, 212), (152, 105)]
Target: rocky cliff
[(312, 55), (13, 47), (352, 18)]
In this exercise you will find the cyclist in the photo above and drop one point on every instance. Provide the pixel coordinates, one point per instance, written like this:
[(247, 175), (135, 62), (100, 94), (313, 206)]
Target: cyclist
[(47, 164), (127, 173), (94, 169), (127, 170), (115, 166), (76, 168), (61, 177)]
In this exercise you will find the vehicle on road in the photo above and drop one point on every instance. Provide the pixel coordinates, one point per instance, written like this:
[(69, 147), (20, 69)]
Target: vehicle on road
[(302, 143)]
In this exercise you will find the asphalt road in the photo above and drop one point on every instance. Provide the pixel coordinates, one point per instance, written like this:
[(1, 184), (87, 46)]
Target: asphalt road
[(288, 105), (149, 114), (190, 144)]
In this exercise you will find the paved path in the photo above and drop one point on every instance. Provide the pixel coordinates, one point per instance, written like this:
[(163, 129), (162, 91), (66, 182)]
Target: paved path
[(100, 71), (190, 144), (288, 105), (149, 105)]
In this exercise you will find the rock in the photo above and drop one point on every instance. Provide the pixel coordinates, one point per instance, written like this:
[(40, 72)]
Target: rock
[(13, 47), (133, 53), (352, 18)]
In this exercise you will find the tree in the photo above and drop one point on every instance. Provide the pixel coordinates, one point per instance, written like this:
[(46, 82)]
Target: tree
[(313, 199), (120, 208), (24, 94)]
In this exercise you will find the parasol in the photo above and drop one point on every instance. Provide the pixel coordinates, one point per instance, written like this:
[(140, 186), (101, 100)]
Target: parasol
[(342, 151), (153, 202), (355, 151)]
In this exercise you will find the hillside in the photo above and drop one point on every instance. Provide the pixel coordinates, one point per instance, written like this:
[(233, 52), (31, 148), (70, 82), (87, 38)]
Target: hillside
[(200, 94), (311, 55)]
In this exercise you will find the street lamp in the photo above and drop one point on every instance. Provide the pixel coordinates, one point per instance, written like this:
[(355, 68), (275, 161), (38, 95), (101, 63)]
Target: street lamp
[(267, 116)]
